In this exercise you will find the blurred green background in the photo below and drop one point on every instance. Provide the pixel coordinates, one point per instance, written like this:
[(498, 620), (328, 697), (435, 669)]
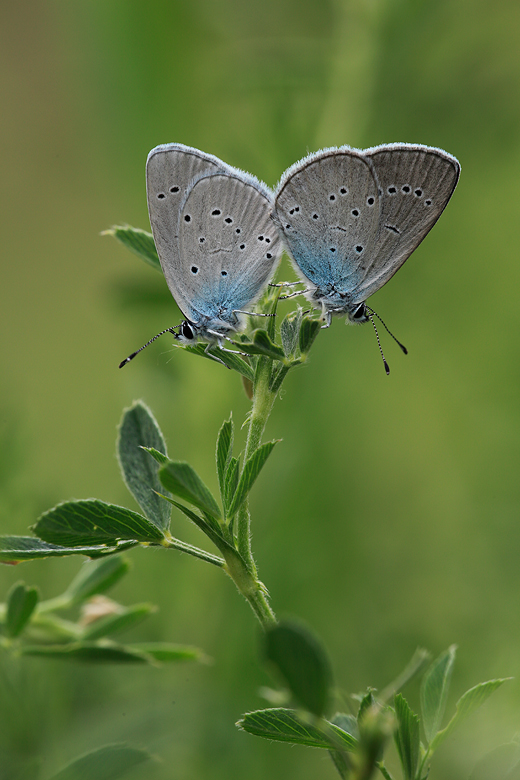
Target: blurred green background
[(388, 517)]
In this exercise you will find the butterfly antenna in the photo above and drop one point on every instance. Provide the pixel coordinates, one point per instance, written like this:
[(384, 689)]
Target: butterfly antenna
[(387, 329), (387, 367), (132, 356)]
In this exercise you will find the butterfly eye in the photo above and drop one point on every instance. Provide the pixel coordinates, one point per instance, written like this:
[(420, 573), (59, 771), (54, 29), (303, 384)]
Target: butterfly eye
[(187, 330), (359, 249), (418, 193), (228, 220), (392, 190), (160, 195), (406, 189), (359, 312), (174, 189), (216, 213), (223, 273)]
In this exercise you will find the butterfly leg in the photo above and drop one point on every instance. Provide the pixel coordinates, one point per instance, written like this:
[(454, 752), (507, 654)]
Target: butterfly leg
[(209, 345), (294, 294), (252, 313), (219, 337)]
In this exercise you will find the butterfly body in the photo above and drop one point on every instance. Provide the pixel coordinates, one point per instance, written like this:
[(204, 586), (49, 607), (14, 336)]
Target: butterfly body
[(351, 217)]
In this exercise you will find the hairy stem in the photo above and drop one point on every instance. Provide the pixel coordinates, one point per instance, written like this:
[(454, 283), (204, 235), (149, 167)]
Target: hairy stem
[(263, 400), (251, 588)]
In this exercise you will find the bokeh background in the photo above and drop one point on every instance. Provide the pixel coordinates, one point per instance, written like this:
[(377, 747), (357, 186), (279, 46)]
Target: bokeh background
[(388, 517)]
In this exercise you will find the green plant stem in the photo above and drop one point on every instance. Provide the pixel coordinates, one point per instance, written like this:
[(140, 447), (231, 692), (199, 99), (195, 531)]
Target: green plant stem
[(176, 544), (245, 576), (384, 771), (423, 762), (263, 400), (251, 588), (52, 605)]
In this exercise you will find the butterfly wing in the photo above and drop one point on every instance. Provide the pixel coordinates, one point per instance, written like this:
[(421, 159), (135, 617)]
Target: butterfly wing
[(228, 247), (416, 184), (328, 210), (170, 170)]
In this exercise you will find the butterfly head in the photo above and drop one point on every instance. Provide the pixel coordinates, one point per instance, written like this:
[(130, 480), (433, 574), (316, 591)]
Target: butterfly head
[(357, 314), (187, 333)]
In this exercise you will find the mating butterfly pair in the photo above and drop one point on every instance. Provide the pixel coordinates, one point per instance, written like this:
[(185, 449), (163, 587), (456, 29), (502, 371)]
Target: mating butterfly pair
[(348, 218)]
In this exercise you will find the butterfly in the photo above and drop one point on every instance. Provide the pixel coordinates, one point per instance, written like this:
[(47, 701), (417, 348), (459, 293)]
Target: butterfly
[(350, 218), (216, 241)]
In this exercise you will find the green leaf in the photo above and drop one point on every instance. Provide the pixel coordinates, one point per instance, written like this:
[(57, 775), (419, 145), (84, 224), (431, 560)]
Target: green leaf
[(125, 618), (251, 470), (341, 760), (502, 763), (137, 241), (261, 344), (90, 652), (407, 737), (231, 482), (285, 725), (278, 376), (303, 664), (139, 429), (268, 304), (208, 526), (347, 723), (183, 481), (434, 692), (160, 457), (365, 704), (104, 551), (467, 704), (97, 577), (224, 454), (230, 359), (165, 652), (105, 763), (289, 331), (90, 521), (14, 549), (308, 331), (21, 602), (416, 664), (216, 536)]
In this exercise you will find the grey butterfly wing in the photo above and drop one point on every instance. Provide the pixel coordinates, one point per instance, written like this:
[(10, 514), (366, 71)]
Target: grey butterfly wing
[(170, 170), (228, 246), (417, 183), (328, 209)]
